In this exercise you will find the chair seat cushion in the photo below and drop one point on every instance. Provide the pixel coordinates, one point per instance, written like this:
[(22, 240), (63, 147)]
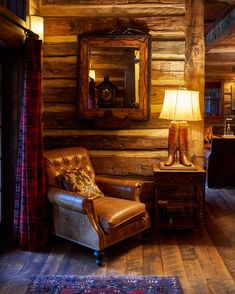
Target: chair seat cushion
[(115, 212)]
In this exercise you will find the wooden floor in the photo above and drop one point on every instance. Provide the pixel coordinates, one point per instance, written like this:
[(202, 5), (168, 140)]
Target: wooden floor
[(204, 260)]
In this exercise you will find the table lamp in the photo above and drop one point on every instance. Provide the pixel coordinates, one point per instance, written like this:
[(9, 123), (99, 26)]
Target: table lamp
[(179, 106)]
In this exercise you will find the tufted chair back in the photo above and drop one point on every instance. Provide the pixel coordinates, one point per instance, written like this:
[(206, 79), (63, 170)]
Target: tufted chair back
[(58, 163)]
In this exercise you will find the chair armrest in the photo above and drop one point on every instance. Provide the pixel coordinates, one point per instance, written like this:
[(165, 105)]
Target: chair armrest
[(73, 201), (119, 188), (68, 200)]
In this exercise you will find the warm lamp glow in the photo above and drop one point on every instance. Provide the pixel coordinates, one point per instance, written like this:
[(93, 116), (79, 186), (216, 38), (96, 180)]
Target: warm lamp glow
[(37, 25), (92, 74), (181, 105)]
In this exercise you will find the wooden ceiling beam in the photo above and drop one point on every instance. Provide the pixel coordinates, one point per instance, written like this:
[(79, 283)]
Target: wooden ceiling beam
[(129, 10)]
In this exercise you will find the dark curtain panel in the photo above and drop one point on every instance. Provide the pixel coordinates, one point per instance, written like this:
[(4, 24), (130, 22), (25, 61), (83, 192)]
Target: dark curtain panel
[(30, 214)]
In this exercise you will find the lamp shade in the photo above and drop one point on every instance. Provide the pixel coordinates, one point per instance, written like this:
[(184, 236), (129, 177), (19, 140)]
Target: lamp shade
[(181, 105)]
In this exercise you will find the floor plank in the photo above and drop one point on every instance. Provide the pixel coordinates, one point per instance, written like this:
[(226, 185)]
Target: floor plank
[(204, 260)]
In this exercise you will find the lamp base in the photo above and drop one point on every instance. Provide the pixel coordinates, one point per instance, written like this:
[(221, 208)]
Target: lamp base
[(176, 166)]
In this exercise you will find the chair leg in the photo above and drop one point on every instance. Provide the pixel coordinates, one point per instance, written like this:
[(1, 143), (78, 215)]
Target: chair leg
[(98, 255)]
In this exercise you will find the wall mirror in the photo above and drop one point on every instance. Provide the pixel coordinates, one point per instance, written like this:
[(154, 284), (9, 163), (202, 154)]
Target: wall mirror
[(114, 75)]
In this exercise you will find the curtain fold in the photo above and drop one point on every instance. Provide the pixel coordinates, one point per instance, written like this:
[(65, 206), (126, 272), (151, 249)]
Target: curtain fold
[(30, 212)]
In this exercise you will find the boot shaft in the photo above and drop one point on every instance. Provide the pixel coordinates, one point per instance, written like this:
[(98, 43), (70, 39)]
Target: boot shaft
[(183, 138), (183, 144), (173, 136)]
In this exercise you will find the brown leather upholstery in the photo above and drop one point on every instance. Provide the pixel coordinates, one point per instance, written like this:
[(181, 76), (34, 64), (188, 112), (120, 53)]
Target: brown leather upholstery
[(97, 223)]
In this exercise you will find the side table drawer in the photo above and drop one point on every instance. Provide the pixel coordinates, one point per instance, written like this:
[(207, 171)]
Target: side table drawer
[(180, 178)]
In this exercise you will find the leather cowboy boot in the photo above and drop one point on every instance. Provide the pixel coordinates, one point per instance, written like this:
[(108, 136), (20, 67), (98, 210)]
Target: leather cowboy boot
[(183, 144), (172, 143)]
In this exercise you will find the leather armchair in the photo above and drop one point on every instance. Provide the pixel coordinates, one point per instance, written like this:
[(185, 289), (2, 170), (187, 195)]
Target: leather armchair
[(94, 223)]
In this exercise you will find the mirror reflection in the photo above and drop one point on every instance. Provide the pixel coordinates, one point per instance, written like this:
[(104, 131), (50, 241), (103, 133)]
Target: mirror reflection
[(113, 77)]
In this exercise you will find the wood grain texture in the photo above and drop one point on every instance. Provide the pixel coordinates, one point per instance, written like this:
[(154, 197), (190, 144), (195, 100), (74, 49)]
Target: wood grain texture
[(60, 49), (60, 61), (128, 10), (11, 34), (34, 7), (195, 67), (54, 67), (55, 118), (163, 19), (74, 26), (110, 2), (168, 47), (125, 163), (106, 142), (203, 259)]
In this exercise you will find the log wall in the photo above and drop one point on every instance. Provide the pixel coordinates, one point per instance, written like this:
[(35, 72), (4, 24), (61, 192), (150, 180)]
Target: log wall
[(121, 152), (33, 7)]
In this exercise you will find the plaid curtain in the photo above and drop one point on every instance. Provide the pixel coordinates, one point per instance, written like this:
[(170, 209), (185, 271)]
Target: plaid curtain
[(30, 213)]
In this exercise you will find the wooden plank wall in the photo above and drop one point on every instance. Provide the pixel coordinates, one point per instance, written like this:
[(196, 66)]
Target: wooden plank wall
[(33, 7), (121, 152)]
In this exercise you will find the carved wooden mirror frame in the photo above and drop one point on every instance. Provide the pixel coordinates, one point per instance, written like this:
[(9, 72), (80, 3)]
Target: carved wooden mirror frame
[(128, 39)]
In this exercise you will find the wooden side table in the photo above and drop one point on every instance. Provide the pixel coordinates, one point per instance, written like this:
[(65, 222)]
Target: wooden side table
[(179, 198)]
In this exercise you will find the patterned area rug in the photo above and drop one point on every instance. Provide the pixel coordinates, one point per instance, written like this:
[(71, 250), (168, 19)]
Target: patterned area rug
[(61, 284)]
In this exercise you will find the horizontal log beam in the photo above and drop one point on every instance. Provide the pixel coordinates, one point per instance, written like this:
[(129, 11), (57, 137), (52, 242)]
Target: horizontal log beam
[(69, 120), (60, 39), (101, 143), (161, 50), (60, 90), (159, 36), (221, 49), (134, 11), (160, 133), (180, 57), (210, 76), (60, 49), (11, 34), (110, 2), (107, 142), (57, 67), (164, 66), (69, 26), (127, 154), (172, 82), (220, 57), (168, 47), (220, 63), (137, 163)]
